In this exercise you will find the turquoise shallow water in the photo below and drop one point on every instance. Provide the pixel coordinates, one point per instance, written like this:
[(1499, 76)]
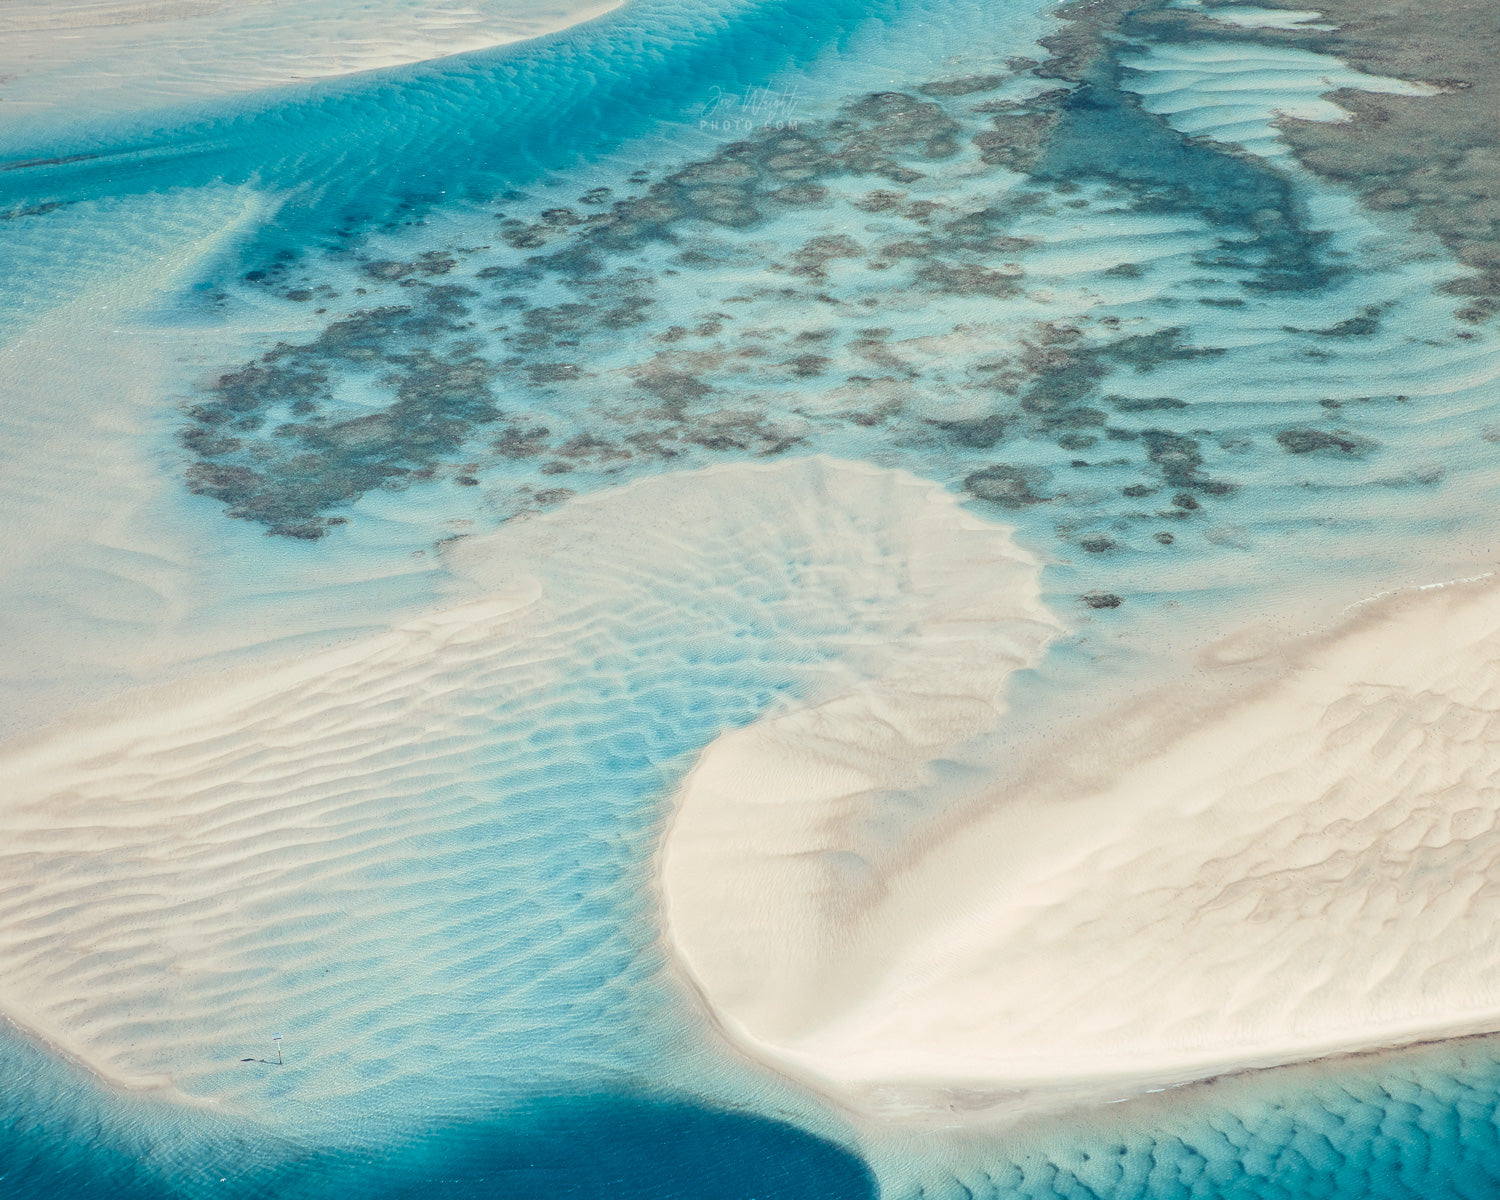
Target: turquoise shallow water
[(1424, 1127), (1194, 382)]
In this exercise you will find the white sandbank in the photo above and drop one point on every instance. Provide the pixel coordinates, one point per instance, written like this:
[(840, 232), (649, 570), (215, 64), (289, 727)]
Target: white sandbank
[(73, 58), (361, 847), (1306, 868)]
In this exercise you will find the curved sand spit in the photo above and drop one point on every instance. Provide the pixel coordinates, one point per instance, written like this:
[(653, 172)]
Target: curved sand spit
[(1312, 869)]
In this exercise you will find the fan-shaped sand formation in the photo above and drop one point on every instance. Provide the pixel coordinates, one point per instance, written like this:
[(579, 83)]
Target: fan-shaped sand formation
[(1312, 869), (425, 855)]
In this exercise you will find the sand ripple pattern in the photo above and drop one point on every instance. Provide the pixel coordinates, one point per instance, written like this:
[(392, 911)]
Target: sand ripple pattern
[(425, 856)]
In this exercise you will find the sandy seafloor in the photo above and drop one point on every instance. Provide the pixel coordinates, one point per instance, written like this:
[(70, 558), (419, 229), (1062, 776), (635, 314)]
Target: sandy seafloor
[(755, 600)]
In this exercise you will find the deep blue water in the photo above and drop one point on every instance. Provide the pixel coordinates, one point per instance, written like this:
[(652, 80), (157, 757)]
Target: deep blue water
[(1387, 415), (592, 1148)]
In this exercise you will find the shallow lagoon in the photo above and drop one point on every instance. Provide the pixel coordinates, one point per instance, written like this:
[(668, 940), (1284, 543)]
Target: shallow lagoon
[(1195, 385)]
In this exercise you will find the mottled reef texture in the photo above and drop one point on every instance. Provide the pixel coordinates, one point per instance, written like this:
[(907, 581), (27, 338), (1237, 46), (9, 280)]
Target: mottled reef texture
[(569, 348), (1436, 158)]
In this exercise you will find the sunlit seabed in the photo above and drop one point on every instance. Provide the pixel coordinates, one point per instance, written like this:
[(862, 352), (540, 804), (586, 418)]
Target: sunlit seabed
[(1348, 421)]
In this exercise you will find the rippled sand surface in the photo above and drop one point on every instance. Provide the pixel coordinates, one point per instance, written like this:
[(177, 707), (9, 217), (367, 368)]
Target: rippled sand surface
[(416, 850), (786, 598)]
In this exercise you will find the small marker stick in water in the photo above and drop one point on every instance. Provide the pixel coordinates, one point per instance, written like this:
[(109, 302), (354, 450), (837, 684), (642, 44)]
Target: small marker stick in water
[(277, 1039)]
